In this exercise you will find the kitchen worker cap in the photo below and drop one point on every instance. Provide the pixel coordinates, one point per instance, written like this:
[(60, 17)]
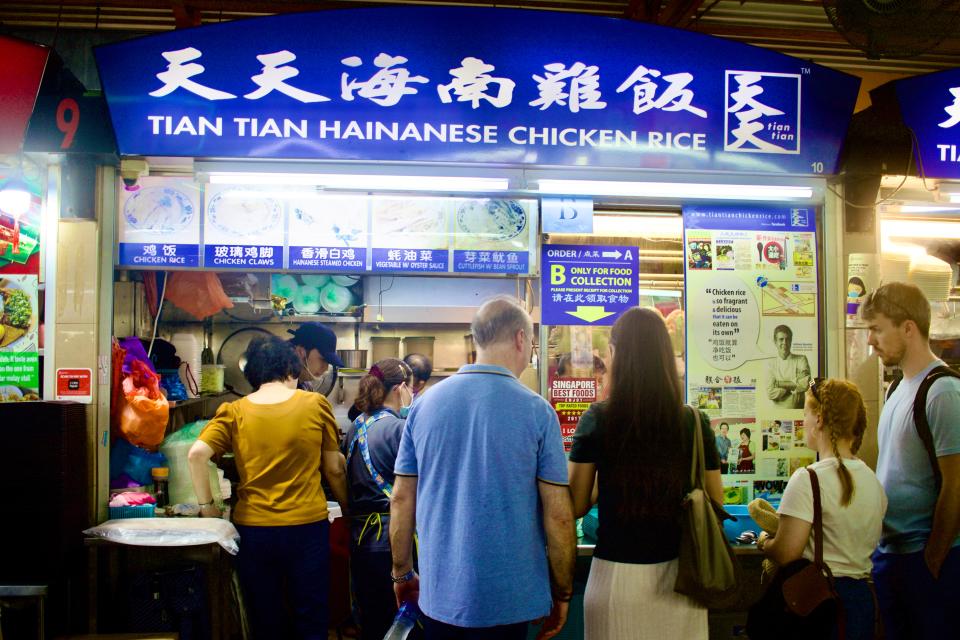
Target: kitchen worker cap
[(313, 335)]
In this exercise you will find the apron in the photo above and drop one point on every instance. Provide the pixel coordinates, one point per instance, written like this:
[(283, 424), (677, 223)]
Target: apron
[(744, 453), (373, 520)]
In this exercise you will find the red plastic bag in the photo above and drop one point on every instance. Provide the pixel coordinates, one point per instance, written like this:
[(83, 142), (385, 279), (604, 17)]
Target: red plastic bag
[(199, 293), (143, 420)]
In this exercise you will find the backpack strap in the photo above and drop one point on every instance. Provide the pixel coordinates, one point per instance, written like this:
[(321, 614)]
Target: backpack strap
[(920, 418), (893, 386)]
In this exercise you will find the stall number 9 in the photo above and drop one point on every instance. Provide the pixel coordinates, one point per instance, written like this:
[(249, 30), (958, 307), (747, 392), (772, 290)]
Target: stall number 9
[(68, 121)]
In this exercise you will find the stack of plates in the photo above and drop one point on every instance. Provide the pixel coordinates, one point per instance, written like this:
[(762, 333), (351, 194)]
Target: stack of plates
[(933, 276), (895, 263)]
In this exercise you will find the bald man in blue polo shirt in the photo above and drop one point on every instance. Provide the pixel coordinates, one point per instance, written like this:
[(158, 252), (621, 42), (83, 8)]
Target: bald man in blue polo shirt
[(482, 477)]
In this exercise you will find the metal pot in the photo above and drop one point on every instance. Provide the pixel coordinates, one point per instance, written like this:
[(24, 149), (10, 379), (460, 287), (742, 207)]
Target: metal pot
[(353, 358)]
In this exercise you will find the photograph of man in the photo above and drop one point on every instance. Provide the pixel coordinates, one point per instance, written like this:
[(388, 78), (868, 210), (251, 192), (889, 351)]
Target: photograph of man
[(723, 446), (788, 374)]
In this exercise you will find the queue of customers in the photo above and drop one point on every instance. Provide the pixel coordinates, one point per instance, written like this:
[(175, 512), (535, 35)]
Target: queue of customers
[(467, 505)]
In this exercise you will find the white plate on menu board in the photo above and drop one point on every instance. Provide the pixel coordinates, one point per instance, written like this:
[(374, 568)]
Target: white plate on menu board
[(244, 214)]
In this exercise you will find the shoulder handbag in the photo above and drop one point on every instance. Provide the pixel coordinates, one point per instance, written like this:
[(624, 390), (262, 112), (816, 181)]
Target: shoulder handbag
[(801, 602), (708, 571)]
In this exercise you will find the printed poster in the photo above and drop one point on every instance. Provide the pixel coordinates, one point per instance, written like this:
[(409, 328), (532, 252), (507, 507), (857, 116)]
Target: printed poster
[(20, 234), (19, 351), (752, 335)]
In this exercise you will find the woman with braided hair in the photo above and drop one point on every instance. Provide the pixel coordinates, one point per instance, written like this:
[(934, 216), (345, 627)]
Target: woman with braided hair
[(371, 447), (853, 502)]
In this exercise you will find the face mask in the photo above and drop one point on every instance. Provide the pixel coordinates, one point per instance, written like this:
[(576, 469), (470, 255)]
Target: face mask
[(404, 412)]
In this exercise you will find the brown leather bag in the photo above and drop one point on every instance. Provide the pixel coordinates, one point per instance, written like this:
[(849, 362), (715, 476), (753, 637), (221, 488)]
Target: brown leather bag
[(810, 587)]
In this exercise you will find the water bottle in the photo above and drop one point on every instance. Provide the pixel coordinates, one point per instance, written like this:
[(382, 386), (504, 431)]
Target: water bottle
[(403, 622)]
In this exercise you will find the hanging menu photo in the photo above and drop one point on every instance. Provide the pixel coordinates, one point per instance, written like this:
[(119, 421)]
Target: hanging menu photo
[(493, 235), (159, 223), (411, 234), (328, 232), (19, 353), (243, 228)]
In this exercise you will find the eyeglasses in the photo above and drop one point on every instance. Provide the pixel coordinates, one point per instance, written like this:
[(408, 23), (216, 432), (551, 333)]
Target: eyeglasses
[(815, 387)]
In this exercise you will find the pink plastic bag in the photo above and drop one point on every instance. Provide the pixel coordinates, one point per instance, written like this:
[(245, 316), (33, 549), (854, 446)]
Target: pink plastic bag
[(143, 419)]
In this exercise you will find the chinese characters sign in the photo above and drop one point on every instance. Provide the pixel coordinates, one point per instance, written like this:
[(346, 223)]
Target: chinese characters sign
[(589, 285), (481, 85), (752, 335), (930, 105), (301, 230)]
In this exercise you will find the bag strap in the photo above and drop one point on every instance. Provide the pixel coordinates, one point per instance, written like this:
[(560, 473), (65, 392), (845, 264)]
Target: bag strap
[(893, 386), (817, 519), (920, 418), (697, 460)]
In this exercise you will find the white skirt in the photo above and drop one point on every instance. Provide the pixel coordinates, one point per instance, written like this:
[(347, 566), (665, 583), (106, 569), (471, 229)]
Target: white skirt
[(636, 601)]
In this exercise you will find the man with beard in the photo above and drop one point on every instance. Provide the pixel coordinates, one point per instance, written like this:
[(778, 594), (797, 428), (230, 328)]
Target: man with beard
[(917, 565)]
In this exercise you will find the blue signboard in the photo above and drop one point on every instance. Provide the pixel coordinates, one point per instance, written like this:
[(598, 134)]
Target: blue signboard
[(348, 260), (156, 254), (750, 218), (589, 285), (411, 260), (930, 105), (474, 261), (461, 84), (225, 256)]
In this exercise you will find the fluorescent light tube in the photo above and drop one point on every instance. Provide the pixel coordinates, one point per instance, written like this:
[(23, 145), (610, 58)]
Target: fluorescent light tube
[(675, 190), (364, 182)]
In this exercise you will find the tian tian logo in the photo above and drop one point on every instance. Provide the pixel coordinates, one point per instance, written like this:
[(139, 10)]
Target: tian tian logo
[(762, 112)]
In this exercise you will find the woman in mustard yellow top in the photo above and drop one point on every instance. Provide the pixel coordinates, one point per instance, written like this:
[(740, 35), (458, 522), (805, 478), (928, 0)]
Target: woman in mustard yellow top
[(283, 440)]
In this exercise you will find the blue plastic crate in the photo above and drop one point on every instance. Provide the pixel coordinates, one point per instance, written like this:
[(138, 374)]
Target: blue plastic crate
[(743, 521), (140, 511)]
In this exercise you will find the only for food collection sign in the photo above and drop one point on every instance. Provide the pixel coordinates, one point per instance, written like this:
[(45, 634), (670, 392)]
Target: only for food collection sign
[(587, 285)]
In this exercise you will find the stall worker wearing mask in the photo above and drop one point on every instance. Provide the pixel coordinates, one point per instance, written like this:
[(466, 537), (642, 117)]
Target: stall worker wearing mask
[(371, 449), (287, 444), (316, 344)]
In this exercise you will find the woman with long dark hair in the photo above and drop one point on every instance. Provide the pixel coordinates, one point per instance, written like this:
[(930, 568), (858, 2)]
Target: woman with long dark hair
[(633, 453), (371, 449)]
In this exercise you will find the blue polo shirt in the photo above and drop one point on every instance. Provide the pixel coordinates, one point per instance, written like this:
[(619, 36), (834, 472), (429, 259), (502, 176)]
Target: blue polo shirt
[(903, 466), (478, 443)]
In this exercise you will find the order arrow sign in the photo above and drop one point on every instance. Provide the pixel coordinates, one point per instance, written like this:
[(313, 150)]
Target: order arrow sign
[(612, 254), (590, 314)]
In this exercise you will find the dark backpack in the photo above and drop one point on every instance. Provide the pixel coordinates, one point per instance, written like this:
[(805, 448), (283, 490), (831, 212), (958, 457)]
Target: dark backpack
[(920, 414)]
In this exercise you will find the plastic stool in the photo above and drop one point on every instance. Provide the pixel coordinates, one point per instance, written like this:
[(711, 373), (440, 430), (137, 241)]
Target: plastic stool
[(37, 591)]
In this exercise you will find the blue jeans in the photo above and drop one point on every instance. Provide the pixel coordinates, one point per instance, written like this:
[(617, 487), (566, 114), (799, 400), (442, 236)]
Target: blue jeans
[(912, 604), (858, 607), (296, 557)]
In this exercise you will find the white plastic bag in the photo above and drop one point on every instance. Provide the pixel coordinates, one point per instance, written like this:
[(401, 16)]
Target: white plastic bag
[(169, 532)]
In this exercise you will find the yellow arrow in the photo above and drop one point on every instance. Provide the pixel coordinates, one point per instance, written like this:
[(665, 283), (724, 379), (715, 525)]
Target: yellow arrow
[(590, 314)]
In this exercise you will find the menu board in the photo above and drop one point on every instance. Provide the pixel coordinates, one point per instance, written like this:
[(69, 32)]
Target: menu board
[(411, 234), (328, 232), (492, 235), (19, 351), (243, 228), (301, 230), (159, 223), (752, 334)]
